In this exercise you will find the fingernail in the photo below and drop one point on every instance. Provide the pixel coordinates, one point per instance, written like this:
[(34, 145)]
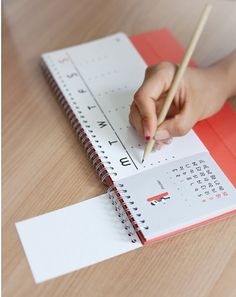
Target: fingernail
[(159, 146), (146, 134), (161, 135), (168, 141)]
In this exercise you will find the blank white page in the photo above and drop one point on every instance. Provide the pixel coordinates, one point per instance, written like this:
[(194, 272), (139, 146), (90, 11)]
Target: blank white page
[(99, 80), (73, 237)]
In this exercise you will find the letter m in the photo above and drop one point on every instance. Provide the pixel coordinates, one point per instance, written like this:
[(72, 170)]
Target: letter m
[(125, 161), (101, 124)]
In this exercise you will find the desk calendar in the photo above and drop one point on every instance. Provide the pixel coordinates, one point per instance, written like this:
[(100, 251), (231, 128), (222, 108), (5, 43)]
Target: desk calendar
[(179, 188)]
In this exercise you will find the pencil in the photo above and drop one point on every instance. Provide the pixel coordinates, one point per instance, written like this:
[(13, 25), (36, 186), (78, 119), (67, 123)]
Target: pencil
[(179, 75)]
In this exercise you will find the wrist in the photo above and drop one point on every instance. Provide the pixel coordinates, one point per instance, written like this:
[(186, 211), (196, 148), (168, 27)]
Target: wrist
[(225, 73), (218, 85)]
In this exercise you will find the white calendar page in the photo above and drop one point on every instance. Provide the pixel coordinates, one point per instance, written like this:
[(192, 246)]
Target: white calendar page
[(178, 195), (74, 237), (99, 80)]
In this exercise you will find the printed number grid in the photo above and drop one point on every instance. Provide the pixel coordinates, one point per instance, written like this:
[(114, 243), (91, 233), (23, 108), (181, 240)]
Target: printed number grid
[(199, 176)]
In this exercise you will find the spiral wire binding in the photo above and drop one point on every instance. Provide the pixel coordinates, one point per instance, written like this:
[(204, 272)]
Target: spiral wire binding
[(97, 161), (121, 213), (123, 204)]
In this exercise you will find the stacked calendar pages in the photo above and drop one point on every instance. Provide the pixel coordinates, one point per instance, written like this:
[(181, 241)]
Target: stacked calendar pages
[(177, 188)]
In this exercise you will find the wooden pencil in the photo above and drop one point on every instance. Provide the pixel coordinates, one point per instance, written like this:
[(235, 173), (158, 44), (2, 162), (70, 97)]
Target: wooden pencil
[(179, 75)]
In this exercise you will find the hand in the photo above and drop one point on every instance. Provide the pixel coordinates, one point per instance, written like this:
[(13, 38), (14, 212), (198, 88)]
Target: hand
[(201, 94)]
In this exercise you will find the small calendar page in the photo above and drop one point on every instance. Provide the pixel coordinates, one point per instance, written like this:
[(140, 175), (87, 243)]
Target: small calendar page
[(177, 195), (98, 80)]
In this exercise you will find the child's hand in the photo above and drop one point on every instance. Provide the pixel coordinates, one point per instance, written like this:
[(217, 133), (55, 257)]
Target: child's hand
[(202, 93)]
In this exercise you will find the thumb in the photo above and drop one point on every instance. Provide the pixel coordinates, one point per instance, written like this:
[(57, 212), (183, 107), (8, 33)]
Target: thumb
[(179, 125)]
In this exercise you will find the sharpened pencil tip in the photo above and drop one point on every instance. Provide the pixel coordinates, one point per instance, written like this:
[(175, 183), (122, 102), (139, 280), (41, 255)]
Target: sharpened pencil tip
[(142, 161)]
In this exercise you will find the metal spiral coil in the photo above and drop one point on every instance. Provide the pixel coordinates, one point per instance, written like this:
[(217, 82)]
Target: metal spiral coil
[(121, 213), (95, 153), (127, 203)]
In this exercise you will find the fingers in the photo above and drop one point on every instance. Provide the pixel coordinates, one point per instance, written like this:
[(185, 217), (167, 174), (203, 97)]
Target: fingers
[(157, 81), (148, 102), (146, 108), (136, 120), (161, 143), (179, 125)]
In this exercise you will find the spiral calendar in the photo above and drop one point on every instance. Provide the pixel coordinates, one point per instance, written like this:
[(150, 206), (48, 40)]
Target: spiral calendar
[(178, 188)]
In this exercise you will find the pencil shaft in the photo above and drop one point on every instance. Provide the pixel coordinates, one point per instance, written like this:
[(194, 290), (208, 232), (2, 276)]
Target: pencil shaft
[(184, 64), (179, 74)]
